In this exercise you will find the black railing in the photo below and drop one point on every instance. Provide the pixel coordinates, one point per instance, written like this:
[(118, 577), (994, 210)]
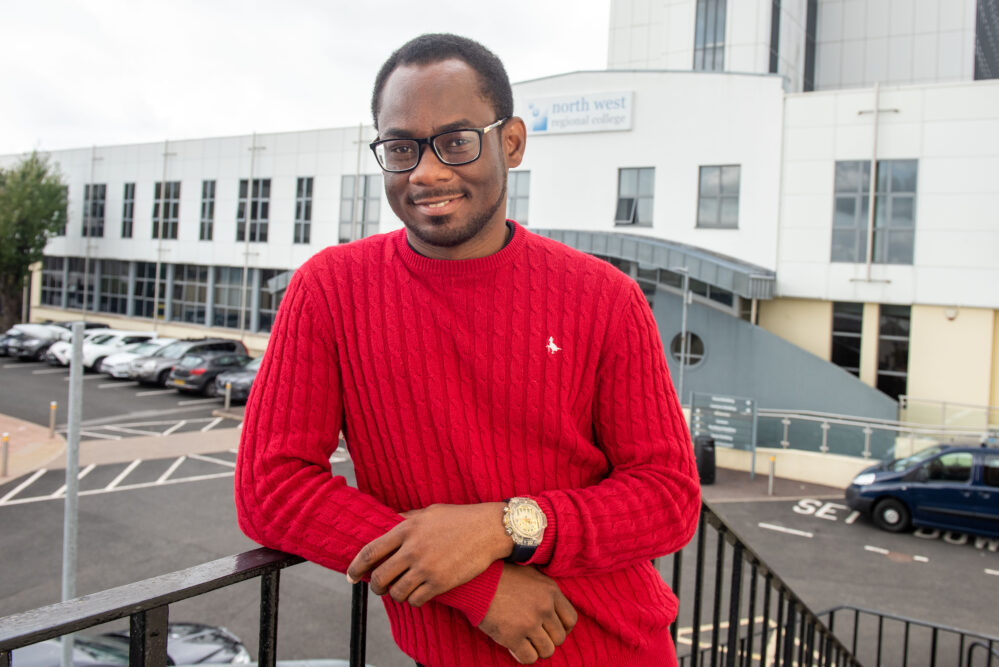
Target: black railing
[(888, 639), (754, 617)]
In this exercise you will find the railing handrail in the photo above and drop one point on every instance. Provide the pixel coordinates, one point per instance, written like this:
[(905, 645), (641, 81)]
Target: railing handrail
[(911, 621), (884, 424), (905, 398), (112, 604)]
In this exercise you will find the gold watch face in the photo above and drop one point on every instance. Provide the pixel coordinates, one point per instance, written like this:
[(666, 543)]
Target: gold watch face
[(525, 521)]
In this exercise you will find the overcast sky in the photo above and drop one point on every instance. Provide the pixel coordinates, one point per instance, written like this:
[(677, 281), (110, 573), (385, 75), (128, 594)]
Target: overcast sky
[(84, 72)]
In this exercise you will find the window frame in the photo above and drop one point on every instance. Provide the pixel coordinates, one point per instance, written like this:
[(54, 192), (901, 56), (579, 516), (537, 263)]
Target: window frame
[(720, 197), (633, 202)]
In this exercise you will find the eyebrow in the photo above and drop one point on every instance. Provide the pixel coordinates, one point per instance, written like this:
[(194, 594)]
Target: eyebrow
[(399, 133)]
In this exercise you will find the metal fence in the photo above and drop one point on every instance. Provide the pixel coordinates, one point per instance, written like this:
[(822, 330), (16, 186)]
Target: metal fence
[(948, 413)]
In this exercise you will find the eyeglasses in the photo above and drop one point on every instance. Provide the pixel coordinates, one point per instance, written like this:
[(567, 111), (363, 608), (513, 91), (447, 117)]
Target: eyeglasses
[(454, 147)]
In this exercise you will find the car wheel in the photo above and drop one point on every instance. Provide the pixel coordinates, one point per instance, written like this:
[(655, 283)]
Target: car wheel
[(162, 377), (210, 389), (891, 515), (96, 367)]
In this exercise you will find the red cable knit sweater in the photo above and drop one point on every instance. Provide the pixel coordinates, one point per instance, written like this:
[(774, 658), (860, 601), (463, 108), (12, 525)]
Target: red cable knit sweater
[(536, 371)]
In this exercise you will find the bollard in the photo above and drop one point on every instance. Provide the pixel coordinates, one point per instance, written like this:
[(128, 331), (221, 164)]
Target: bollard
[(228, 394), (770, 480), (3, 463), (52, 413)]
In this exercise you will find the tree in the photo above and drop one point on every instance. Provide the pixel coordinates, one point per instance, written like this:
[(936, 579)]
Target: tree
[(32, 210)]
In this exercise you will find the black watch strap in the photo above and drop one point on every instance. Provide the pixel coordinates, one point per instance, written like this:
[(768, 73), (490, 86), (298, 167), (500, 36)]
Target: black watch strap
[(521, 553)]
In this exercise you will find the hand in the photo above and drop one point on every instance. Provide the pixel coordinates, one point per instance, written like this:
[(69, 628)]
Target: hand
[(528, 615), (432, 551)]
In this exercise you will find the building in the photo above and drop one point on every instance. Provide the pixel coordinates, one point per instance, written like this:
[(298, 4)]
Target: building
[(731, 145)]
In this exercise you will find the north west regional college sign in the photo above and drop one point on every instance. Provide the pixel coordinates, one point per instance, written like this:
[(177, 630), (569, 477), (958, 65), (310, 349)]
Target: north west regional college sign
[(590, 112)]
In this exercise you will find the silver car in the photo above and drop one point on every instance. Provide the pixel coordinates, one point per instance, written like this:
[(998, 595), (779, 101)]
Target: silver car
[(155, 369)]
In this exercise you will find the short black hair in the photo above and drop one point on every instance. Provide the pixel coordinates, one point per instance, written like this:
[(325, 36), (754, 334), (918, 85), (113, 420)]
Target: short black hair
[(433, 48)]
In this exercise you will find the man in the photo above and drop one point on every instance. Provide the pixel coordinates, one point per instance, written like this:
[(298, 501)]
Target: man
[(519, 450)]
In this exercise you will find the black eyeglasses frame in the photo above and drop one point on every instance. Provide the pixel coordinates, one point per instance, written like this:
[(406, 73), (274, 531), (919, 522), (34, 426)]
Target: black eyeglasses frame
[(429, 141)]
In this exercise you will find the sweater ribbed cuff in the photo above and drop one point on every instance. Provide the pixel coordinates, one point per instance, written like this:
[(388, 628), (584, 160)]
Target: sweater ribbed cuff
[(474, 597), (543, 554)]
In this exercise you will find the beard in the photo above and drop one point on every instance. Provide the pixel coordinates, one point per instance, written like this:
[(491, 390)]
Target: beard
[(444, 232)]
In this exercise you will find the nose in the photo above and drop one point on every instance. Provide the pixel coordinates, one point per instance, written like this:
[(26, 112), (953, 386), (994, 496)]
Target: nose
[(429, 169)]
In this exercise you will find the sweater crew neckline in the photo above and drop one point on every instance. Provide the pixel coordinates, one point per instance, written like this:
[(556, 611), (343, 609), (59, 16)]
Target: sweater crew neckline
[(460, 267)]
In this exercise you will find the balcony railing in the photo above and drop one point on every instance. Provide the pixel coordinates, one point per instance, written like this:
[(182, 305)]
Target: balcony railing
[(734, 610)]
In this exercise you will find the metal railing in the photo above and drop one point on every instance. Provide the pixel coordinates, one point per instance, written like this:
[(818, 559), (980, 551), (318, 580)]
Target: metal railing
[(888, 639), (948, 413)]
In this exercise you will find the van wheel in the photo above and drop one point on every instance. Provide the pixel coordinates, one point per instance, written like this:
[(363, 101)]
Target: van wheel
[(891, 515)]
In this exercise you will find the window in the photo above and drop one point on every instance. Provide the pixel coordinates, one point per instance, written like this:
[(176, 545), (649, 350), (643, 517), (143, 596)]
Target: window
[(518, 192), (365, 222), (987, 40), (894, 212), (80, 280), (952, 467), (893, 350), (207, 227), (52, 268), (718, 198), (127, 210), (144, 290), (635, 189), (260, 210), (303, 210), (189, 300), (114, 287), (94, 196), (65, 197), (990, 470), (273, 283), (848, 320), (169, 215), (694, 352), (709, 35), (228, 284)]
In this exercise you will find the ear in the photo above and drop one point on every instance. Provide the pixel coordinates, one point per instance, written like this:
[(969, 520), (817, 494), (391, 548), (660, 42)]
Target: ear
[(514, 141)]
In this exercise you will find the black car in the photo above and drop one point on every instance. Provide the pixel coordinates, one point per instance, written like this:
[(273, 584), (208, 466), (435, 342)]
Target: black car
[(187, 644), (240, 380), (11, 335), (34, 341), (196, 372)]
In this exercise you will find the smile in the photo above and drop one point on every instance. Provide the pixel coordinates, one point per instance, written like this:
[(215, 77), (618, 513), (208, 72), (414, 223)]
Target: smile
[(439, 205)]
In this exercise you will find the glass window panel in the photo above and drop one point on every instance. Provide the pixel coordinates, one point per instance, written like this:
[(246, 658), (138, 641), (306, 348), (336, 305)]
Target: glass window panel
[(707, 211), (644, 213), (646, 182), (625, 210), (899, 246), (730, 180), (848, 246), (903, 211), (845, 212), (710, 181), (903, 175), (628, 183), (729, 211)]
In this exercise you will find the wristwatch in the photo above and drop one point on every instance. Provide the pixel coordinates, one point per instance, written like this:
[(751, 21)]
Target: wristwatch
[(525, 523)]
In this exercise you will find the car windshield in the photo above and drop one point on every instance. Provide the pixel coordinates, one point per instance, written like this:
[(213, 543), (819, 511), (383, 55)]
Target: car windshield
[(904, 464), (254, 364), (97, 340), (146, 348), (174, 350)]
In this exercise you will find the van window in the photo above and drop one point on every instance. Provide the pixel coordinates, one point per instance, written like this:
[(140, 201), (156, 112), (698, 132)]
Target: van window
[(953, 467), (990, 470)]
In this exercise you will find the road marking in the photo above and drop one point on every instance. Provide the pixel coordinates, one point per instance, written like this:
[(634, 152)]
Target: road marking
[(122, 475), (100, 436), (853, 517), (174, 427), (155, 392), (987, 570), (117, 385), (48, 371), (782, 529), (83, 473), (169, 471), (128, 487), (209, 459), (877, 550), (87, 377), (921, 559), (23, 485), (211, 425), (125, 429), (193, 401), (16, 366)]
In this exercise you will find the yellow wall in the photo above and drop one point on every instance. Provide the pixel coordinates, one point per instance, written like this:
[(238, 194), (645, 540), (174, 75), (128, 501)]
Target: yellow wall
[(804, 322), (869, 344), (951, 354), (994, 394)]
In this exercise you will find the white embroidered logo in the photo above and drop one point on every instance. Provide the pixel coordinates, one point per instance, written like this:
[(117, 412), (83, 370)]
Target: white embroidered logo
[(551, 346)]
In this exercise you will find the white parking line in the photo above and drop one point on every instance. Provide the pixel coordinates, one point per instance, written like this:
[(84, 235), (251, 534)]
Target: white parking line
[(48, 371), (212, 424), (134, 431), (83, 473), (921, 559), (853, 517), (194, 401), (174, 427), (155, 392), (117, 385), (877, 550), (210, 459), (994, 573), (782, 529), (100, 436), (169, 471), (23, 485), (16, 366), (86, 377), (127, 487), (122, 475)]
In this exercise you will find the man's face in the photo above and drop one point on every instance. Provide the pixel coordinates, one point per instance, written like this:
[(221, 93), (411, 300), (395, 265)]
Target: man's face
[(446, 206)]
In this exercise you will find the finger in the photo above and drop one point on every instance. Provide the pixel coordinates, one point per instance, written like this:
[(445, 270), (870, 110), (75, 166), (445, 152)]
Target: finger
[(543, 644), (525, 653), (404, 586), (371, 554), (385, 575), (566, 612), (422, 594), (555, 630)]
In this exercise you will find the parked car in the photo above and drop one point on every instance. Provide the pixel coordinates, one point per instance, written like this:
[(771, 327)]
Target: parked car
[(109, 342), (34, 341), (187, 644), (116, 365), (240, 379), (156, 369), (67, 334), (61, 352), (9, 337), (950, 487), (196, 372)]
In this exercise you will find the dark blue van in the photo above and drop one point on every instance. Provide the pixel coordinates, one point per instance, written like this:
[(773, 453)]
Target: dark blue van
[(948, 487)]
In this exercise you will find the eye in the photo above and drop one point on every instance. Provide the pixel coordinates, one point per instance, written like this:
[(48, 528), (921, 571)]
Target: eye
[(458, 141), (400, 148)]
